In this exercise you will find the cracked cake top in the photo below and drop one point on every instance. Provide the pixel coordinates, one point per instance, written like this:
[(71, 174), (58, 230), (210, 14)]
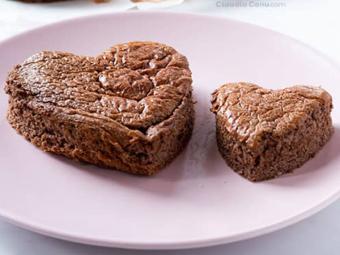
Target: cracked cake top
[(137, 84)]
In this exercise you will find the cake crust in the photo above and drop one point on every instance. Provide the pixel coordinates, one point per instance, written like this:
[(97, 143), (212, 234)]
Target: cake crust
[(263, 133), (129, 108)]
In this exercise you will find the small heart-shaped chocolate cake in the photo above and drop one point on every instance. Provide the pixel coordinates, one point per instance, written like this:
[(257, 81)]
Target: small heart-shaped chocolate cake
[(129, 108), (264, 133)]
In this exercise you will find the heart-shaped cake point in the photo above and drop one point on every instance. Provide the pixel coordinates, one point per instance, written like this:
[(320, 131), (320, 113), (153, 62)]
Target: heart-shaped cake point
[(129, 108), (264, 133)]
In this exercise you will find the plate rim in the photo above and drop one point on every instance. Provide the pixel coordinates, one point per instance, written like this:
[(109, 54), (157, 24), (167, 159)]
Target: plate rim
[(188, 244), (195, 243)]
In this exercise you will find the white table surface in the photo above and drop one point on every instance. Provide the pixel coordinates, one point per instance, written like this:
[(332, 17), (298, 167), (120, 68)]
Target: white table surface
[(315, 22)]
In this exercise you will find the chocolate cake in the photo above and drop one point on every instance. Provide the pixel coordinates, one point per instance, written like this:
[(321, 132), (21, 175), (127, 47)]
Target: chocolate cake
[(129, 108), (264, 133), (40, 1)]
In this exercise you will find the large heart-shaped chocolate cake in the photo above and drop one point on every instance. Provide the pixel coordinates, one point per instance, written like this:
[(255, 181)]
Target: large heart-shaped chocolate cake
[(129, 108), (264, 133)]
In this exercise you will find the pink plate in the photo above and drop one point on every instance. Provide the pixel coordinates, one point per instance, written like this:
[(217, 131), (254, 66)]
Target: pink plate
[(196, 201)]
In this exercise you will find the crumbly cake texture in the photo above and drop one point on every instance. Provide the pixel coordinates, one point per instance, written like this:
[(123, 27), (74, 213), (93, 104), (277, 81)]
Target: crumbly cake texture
[(263, 134), (129, 109)]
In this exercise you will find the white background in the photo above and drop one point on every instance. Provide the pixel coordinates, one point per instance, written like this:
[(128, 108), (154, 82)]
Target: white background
[(315, 22)]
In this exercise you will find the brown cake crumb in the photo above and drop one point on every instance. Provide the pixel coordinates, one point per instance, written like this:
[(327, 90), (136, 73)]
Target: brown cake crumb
[(129, 109), (264, 133)]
